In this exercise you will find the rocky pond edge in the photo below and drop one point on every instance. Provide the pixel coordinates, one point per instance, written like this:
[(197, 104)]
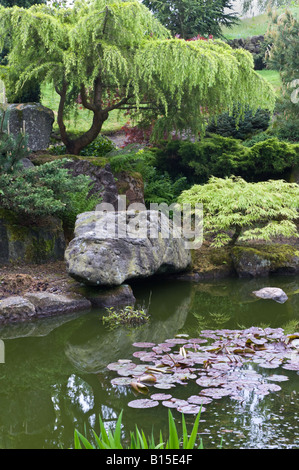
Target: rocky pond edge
[(26, 297)]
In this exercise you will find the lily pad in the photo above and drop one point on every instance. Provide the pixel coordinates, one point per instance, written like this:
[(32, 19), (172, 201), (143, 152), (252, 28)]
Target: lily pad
[(164, 386), (168, 404), (121, 365), (161, 396), (198, 400), (143, 403), (222, 363), (190, 409), (176, 341), (121, 381), (278, 378)]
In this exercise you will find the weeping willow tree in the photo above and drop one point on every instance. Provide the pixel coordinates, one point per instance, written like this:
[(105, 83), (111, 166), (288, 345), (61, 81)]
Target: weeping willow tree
[(113, 54)]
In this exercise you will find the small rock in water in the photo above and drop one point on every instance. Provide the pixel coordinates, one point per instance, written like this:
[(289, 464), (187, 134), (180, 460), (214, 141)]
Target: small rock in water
[(274, 293)]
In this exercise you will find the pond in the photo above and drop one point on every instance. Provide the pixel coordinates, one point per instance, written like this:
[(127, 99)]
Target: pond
[(55, 377)]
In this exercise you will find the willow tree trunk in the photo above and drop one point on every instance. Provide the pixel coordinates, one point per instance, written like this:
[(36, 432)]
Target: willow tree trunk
[(74, 146)]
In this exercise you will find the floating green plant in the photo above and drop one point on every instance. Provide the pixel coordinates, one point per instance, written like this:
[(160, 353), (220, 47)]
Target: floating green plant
[(128, 316)]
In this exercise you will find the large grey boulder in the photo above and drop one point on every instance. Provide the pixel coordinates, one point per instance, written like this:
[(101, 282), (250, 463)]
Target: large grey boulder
[(35, 119), (103, 253)]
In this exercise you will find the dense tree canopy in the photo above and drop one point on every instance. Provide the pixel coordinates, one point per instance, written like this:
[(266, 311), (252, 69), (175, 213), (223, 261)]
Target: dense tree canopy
[(193, 17), (20, 3), (113, 54)]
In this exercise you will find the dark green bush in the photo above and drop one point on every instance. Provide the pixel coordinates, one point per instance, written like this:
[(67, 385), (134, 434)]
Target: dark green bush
[(98, 148), (252, 123), (159, 187), (287, 129), (271, 158), (45, 190), (260, 137), (30, 93), (197, 161), (224, 156)]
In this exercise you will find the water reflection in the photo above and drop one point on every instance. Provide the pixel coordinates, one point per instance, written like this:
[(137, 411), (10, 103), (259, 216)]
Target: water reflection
[(55, 377)]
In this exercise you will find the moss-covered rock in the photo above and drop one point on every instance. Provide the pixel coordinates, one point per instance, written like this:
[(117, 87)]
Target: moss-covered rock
[(130, 184), (35, 119), (263, 260), (30, 244), (41, 158), (211, 263)]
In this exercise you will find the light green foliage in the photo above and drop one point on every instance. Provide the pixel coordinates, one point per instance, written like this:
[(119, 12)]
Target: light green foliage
[(236, 210), (128, 316), (118, 56), (112, 440)]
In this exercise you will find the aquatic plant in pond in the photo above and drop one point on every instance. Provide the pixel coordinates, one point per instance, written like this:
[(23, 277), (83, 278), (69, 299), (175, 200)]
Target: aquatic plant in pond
[(128, 316), (222, 363), (138, 440)]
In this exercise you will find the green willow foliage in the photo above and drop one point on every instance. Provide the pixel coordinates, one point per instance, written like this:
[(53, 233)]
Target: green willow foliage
[(118, 56)]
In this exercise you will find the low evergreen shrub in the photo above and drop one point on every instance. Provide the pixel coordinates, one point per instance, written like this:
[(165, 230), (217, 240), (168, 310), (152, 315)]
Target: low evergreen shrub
[(220, 156), (228, 126)]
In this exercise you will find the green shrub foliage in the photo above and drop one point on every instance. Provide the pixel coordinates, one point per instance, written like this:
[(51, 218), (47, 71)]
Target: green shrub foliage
[(251, 123), (224, 156), (45, 190), (283, 56), (235, 210), (159, 187)]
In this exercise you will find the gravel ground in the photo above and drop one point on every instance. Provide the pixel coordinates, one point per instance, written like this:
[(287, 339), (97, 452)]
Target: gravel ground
[(50, 277)]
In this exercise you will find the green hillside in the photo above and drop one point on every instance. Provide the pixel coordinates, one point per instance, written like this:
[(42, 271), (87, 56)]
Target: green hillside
[(253, 26)]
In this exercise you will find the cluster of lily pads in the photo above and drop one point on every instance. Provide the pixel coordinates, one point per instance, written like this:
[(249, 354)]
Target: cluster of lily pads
[(220, 362)]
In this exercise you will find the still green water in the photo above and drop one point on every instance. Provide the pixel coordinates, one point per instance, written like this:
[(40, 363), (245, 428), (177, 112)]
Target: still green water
[(54, 377)]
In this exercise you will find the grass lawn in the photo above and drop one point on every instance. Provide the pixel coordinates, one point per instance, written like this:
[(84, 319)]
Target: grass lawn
[(254, 26), (273, 77), (82, 121)]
